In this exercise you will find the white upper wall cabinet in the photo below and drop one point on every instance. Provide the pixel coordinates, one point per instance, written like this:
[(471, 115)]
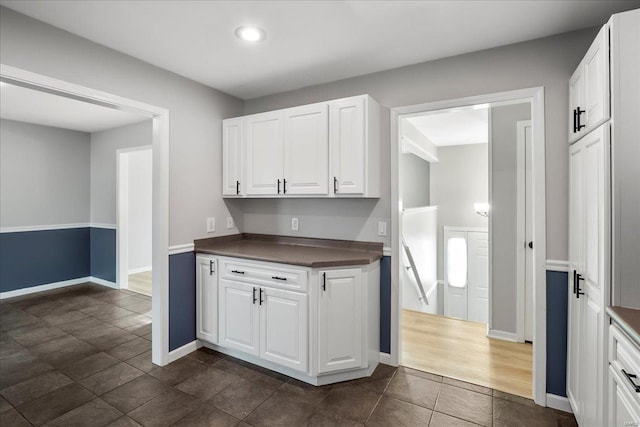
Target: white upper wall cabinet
[(327, 149), (232, 158), (306, 150), (264, 153), (589, 89)]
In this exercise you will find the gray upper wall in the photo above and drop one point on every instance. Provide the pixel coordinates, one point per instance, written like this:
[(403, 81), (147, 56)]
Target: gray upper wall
[(104, 146), (414, 182), (547, 62), (44, 175), (196, 111)]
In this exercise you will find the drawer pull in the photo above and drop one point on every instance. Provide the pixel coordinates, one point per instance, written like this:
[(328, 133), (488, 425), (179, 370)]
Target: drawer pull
[(237, 272), (278, 278), (631, 377), (254, 295)]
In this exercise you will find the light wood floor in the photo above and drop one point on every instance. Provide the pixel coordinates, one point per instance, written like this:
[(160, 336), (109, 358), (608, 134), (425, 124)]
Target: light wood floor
[(460, 349), (140, 283)]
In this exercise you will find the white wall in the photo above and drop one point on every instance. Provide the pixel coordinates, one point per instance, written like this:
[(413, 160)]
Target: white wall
[(414, 181), (196, 111), (44, 175), (458, 180), (503, 212), (139, 208), (103, 166), (547, 62)]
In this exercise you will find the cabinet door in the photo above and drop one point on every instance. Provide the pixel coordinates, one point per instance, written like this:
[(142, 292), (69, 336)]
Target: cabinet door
[(232, 182), (624, 409), (264, 144), (340, 316), (576, 249), (576, 99), (283, 328), (239, 327), (347, 139), (594, 275), (206, 299), (306, 149), (596, 81)]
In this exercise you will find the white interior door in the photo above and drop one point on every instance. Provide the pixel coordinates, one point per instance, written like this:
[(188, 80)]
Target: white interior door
[(478, 276), (528, 232)]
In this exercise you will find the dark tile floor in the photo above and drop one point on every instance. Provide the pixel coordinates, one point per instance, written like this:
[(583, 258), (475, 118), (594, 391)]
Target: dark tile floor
[(81, 356)]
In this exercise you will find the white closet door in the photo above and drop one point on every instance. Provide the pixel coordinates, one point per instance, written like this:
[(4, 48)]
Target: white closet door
[(455, 274), (478, 276)]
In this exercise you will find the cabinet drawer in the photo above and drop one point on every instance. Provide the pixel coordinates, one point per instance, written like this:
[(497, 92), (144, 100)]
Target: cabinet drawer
[(264, 275), (624, 357)]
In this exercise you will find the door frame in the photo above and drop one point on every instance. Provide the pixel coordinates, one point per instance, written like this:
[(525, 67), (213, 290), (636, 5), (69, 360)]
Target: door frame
[(160, 220), (122, 213), (536, 96)]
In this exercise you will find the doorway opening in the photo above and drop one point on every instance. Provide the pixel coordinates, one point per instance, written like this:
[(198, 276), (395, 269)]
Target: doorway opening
[(467, 277), (134, 218)]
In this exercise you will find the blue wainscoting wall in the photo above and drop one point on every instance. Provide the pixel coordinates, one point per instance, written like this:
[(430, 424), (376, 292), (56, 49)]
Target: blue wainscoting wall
[(103, 253), (385, 304), (557, 308), (33, 258), (182, 299)]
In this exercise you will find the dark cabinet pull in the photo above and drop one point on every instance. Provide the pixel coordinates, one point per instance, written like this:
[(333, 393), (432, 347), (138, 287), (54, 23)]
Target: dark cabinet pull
[(278, 278), (631, 377), (575, 121), (237, 272), (261, 300), (254, 295), (578, 125), (237, 187), (577, 282), (324, 281), (278, 186), (284, 186), (335, 185), (211, 270)]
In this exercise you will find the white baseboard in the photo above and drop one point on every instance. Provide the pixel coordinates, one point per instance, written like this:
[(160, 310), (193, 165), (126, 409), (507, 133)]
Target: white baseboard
[(183, 351), (558, 402), (385, 359), (502, 335), (140, 270), (102, 282), (42, 288)]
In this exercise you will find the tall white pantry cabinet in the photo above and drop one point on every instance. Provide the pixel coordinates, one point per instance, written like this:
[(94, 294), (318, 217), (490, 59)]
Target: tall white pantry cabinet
[(604, 207)]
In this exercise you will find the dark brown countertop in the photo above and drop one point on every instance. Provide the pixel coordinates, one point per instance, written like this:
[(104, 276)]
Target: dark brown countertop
[(302, 251), (628, 319)]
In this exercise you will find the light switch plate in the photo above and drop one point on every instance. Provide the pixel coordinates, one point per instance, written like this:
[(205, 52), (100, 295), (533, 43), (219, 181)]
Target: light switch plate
[(229, 222), (294, 224), (211, 225), (382, 228)]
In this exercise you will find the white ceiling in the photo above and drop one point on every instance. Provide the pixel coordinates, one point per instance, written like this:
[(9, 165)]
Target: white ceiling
[(32, 106), (308, 42), (454, 127)]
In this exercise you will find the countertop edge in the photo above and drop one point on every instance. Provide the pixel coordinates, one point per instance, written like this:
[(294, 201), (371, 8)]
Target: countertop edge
[(626, 327), (313, 264)]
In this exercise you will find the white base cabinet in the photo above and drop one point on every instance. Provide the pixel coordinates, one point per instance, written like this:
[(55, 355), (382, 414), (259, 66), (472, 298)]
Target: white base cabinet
[(624, 386), (317, 325), (207, 298)]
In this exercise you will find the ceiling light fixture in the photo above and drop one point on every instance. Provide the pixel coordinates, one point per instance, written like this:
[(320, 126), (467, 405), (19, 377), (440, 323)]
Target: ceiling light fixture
[(250, 34)]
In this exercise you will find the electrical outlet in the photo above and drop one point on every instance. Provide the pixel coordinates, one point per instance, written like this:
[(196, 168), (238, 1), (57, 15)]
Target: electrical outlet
[(229, 222), (211, 225), (294, 224), (382, 228)]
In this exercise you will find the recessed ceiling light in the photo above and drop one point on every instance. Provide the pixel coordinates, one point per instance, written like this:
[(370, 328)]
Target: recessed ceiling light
[(250, 34)]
